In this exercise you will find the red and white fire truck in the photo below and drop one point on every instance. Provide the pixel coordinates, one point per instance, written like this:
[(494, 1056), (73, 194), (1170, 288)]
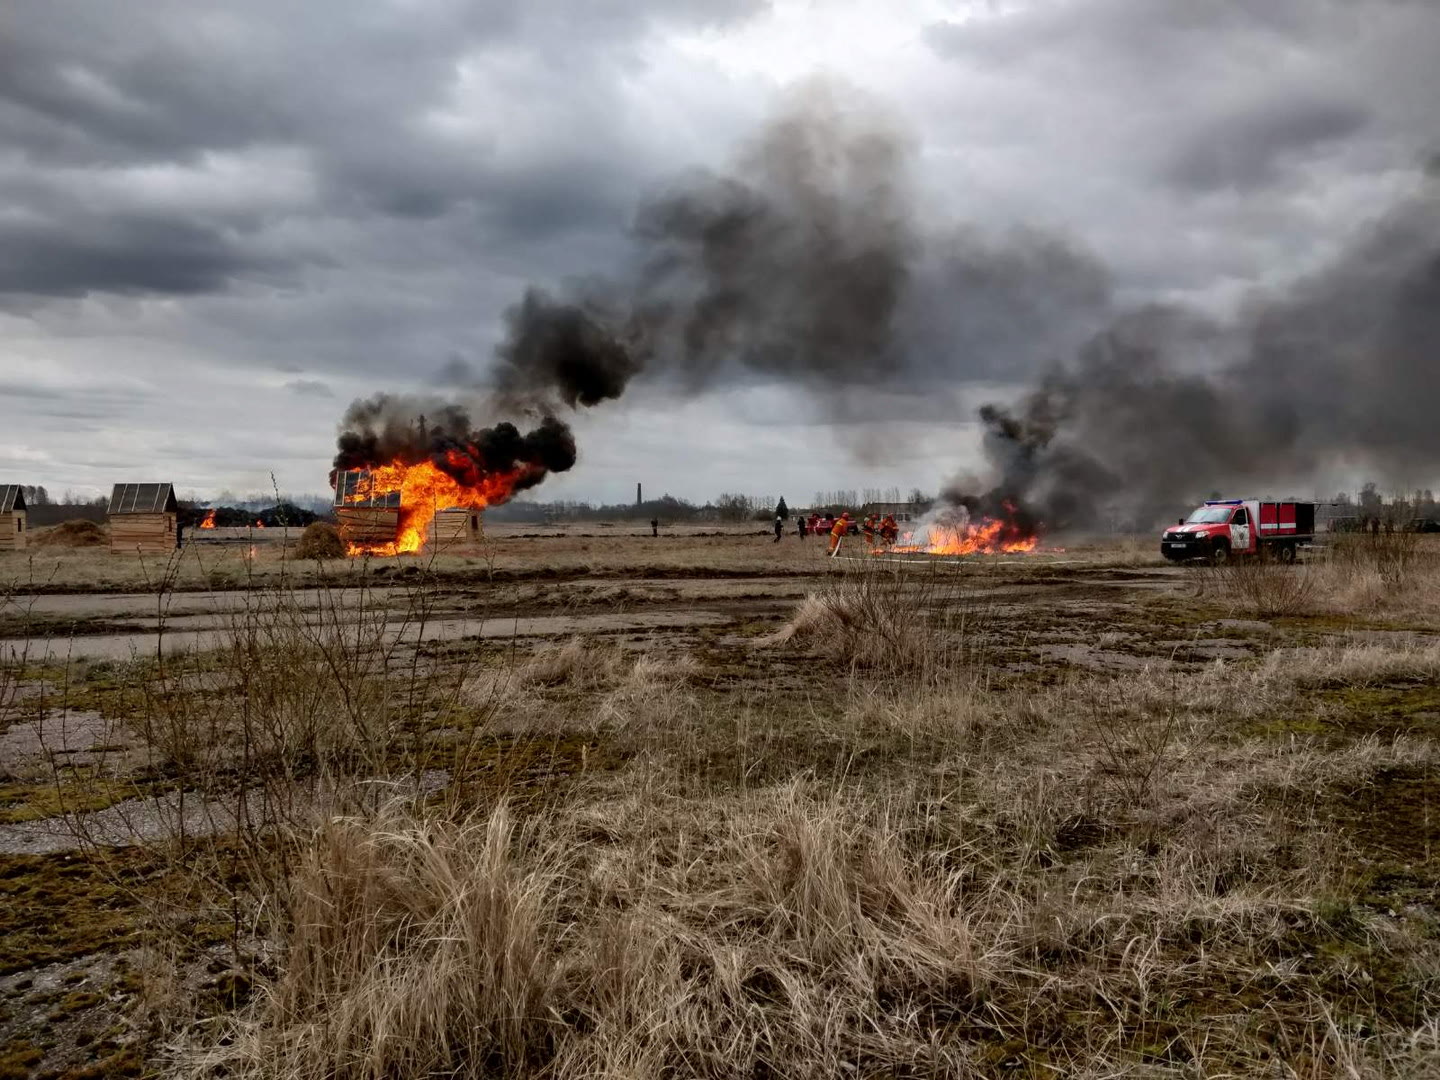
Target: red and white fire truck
[(1225, 528)]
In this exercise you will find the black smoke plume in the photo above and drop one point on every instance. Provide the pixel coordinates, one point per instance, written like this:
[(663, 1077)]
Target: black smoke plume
[(806, 264), (386, 428), (1341, 371)]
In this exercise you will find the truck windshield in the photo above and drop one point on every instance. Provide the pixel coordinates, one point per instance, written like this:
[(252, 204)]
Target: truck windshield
[(1210, 515)]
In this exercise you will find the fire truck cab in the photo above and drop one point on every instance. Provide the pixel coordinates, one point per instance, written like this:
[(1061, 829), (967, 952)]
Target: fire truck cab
[(1223, 529)]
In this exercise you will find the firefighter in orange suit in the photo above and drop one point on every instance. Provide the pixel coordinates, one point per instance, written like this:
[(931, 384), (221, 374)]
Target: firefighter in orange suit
[(868, 530), (889, 531), (841, 527)]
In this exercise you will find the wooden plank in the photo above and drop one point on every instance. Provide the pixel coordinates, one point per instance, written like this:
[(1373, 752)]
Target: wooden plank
[(368, 525), (12, 534), (144, 533)]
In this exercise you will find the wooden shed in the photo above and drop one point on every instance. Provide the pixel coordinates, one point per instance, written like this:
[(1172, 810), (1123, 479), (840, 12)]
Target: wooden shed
[(457, 525), (143, 517), (365, 518), (12, 517)]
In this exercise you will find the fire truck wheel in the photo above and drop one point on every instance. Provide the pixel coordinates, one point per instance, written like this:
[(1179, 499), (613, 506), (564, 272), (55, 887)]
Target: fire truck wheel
[(1285, 553), (1220, 553)]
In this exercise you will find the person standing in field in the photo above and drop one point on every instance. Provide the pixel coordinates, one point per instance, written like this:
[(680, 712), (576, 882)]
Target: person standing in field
[(654, 526), (800, 526), (779, 527), (837, 531)]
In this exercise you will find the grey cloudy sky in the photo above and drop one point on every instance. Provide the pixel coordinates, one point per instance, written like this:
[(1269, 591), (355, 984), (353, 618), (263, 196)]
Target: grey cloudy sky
[(222, 221)]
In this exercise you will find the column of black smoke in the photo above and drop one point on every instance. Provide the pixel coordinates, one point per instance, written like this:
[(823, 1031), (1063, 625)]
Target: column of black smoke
[(387, 428)]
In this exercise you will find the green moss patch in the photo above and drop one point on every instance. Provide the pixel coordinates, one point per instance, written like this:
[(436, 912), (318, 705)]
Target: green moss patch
[(62, 906)]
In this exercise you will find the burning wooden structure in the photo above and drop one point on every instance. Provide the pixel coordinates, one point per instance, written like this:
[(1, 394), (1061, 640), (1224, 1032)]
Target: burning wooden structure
[(457, 525), (367, 518), (12, 517), (144, 517)]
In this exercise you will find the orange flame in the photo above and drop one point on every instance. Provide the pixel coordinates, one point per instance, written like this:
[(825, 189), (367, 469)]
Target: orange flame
[(991, 536), (259, 524), (209, 521), (425, 490), (988, 538)]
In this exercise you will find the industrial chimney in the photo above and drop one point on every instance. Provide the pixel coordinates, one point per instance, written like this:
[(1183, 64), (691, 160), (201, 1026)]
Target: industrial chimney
[(638, 500)]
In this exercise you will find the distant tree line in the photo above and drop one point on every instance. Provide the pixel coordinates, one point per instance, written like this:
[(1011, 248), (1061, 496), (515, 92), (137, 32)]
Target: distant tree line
[(1396, 511), (277, 515)]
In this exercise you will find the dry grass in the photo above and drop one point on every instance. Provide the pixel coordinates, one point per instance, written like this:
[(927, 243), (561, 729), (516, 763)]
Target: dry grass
[(1358, 663), (320, 540), (1264, 590), (884, 619), (866, 849), (79, 533), (1362, 575), (817, 931)]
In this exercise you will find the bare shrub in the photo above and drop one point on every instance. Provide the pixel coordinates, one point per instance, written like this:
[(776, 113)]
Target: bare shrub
[(1262, 589), (1389, 572), (320, 540)]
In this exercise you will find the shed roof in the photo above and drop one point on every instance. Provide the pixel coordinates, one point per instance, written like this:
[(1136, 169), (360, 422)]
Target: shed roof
[(352, 488), (143, 499), (11, 498)]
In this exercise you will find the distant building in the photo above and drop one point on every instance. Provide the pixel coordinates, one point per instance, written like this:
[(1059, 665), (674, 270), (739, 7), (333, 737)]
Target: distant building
[(12, 517), (143, 518)]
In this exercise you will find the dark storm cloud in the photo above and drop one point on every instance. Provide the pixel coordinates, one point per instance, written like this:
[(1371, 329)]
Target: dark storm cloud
[(1250, 149), (96, 98), (125, 255)]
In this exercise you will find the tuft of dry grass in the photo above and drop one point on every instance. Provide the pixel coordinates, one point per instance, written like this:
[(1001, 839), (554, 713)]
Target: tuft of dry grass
[(885, 619), (1357, 663)]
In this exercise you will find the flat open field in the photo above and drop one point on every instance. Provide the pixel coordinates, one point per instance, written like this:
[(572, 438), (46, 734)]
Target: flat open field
[(576, 801)]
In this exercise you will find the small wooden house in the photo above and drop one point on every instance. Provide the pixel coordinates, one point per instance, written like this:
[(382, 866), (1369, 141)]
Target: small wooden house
[(365, 517), (12, 517), (143, 517), (456, 525)]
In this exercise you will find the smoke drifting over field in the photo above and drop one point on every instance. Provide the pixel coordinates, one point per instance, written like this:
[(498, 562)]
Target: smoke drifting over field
[(812, 266), (1342, 369)]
